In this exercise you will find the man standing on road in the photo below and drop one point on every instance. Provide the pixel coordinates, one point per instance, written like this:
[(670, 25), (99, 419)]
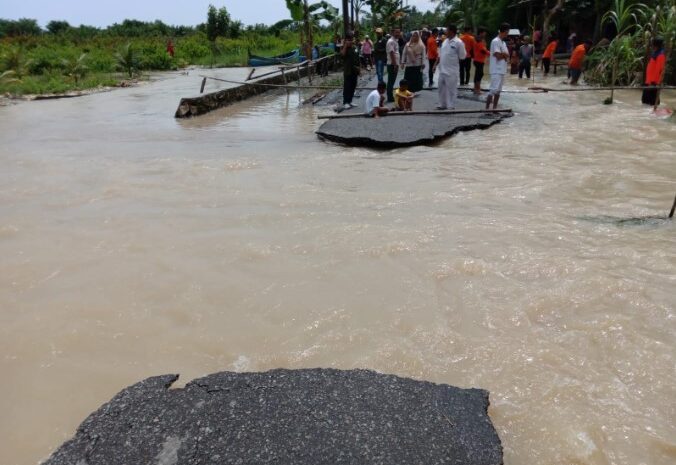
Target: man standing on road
[(393, 59), (351, 70), (380, 54), (466, 65), (432, 53), (498, 66), (451, 54)]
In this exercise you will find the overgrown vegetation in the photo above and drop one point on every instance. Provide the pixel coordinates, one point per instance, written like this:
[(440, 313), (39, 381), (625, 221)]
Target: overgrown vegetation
[(64, 57), (623, 60)]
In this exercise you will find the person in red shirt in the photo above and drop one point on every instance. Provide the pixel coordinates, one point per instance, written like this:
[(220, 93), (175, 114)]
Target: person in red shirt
[(576, 60), (548, 55), (432, 53), (466, 64), (479, 54), (654, 74)]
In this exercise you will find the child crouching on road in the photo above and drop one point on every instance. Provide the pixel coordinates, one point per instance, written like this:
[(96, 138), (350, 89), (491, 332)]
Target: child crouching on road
[(403, 98)]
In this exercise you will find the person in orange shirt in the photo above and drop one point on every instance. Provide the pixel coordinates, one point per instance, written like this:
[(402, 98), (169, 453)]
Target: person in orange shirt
[(654, 74), (576, 60), (479, 54), (548, 56), (432, 53), (466, 64)]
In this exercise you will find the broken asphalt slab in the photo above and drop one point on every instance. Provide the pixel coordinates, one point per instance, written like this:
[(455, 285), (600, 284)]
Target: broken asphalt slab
[(313, 416)]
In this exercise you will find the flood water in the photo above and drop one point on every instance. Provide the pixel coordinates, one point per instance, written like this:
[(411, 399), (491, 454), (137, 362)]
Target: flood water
[(133, 244)]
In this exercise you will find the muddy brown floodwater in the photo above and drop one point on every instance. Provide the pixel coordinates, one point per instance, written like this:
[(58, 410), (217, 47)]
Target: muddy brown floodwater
[(133, 244)]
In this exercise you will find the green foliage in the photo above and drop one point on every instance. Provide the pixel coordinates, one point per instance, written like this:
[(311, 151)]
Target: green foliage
[(127, 60), (624, 15), (75, 69), (623, 58), (20, 27), (54, 83), (58, 27), (7, 77)]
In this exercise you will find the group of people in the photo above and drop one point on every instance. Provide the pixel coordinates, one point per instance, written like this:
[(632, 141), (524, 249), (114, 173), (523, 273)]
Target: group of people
[(451, 55)]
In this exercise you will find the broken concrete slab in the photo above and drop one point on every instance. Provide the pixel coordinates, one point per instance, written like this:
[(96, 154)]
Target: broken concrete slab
[(401, 131), (314, 416)]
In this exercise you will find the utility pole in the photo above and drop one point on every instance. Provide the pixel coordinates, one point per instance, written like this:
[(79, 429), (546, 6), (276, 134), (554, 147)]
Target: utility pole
[(352, 14), (346, 18)]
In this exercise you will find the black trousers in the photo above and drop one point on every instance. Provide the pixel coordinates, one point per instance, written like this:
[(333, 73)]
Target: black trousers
[(465, 68), (349, 86), (524, 66), (650, 97), (391, 81), (478, 72), (546, 62), (431, 70)]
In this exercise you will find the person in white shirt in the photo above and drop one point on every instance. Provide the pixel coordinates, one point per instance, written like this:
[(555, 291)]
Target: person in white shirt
[(498, 66), (451, 53), (375, 102), (393, 59)]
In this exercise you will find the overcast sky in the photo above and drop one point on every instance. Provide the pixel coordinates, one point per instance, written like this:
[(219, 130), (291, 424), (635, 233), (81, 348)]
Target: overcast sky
[(186, 12)]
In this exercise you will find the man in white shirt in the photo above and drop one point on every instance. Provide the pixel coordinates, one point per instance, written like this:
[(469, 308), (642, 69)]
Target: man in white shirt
[(375, 102), (451, 53), (393, 59), (498, 66)]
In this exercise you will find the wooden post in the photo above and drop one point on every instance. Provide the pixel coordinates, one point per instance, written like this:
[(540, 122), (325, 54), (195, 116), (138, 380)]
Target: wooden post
[(673, 209), (284, 78), (346, 18), (204, 83)]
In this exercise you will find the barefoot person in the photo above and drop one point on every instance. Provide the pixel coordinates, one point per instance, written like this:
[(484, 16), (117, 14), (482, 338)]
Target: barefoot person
[(576, 61), (548, 56), (479, 57), (375, 102), (498, 66), (451, 54), (403, 97), (654, 74)]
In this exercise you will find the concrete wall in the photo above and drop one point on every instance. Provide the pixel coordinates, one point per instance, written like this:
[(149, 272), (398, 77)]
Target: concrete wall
[(195, 106)]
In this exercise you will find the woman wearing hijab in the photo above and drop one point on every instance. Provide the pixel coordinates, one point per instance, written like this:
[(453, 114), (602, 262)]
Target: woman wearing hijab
[(413, 60)]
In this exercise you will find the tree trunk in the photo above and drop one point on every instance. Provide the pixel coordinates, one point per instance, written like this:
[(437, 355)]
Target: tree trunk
[(548, 18)]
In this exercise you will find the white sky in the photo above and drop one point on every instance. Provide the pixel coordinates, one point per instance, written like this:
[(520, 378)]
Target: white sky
[(103, 13)]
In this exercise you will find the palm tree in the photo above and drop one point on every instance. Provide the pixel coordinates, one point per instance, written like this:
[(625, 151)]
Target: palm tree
[(307, 17), (7, 77), (75, 68), (127, 60), (387, 13)]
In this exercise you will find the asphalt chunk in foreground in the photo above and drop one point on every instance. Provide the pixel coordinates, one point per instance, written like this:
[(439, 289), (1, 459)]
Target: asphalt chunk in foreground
[(314, 416)]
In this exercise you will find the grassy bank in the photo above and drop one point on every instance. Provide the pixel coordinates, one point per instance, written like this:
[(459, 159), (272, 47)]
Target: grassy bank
[(55, 64)]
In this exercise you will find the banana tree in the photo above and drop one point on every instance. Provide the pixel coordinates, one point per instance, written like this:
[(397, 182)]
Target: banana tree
[(306, 18), (386, 13), (623, 16)]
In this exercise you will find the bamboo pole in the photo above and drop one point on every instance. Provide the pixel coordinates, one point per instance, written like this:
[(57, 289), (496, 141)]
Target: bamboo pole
[(415, 113), (673, 209), (596, 89)]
